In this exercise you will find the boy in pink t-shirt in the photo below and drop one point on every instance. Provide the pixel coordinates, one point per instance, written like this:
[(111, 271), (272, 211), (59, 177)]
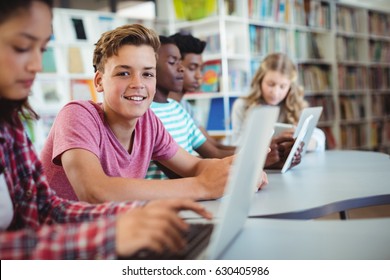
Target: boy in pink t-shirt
[(100, 152), (81, 125)]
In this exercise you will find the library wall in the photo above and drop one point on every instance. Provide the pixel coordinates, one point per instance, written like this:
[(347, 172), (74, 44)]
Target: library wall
[(341, 49)]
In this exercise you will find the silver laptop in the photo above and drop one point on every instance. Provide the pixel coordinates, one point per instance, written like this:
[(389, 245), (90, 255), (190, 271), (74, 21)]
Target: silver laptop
[(243, 179), (209, 240)]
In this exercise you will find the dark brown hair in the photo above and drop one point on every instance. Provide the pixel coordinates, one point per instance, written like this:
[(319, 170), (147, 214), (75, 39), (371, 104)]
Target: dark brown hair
[(9, 109)]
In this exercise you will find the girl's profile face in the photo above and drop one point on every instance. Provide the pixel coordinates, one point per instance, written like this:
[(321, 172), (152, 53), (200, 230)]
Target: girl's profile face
[(23, 39), (275, 87)]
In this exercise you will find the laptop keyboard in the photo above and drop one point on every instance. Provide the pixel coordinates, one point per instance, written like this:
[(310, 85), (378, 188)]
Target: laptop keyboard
[(197, 238)]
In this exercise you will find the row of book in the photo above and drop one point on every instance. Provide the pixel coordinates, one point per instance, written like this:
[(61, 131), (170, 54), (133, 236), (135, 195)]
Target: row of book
[(330, 140), (350, 77), (312, 13), (238, 81), (353, 136), (380, 135), (68, 60), (379, 78), (380, 105), (378, 23), (379, 51), (352, 107), (356, 136), (347, 49), (264, 40), (269, 10), (307, 45), (213, 44), (326, 101), (314, 77), (349, 20)]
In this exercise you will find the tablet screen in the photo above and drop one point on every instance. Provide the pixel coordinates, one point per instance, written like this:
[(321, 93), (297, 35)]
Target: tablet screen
[(301, 135)]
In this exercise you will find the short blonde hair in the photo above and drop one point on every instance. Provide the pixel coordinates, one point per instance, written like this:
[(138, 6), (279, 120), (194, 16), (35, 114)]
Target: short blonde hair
[(292, 106), (111, 41)]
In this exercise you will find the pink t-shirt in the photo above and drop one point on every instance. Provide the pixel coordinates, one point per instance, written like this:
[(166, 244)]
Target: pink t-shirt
[(81, 124)]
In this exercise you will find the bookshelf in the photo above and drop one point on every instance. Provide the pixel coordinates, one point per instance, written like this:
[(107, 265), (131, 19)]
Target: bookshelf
[(67, 64), (342, 49), (363, 65)]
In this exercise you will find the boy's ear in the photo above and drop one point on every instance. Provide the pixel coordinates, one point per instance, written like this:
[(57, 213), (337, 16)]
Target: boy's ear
[(98, 81)]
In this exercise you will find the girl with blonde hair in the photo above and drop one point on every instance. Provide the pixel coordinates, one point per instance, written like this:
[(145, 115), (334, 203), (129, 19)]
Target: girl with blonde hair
[(275, 83)]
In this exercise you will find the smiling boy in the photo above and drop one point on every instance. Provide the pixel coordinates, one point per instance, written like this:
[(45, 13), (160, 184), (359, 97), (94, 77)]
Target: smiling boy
[(101, 151)]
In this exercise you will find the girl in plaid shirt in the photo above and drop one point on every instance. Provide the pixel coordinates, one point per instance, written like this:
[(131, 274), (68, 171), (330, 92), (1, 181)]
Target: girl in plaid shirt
[(34, 222)]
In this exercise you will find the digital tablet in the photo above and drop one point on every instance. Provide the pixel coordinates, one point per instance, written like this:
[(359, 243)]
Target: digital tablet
[(310, 111), (298, 140)]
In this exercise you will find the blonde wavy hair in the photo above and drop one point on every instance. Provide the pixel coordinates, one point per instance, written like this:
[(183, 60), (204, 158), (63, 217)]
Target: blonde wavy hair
[(292, 106)]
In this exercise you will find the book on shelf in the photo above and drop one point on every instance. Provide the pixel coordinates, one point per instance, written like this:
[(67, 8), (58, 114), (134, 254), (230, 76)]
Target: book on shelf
[(49, 92), (376, 134), (264, 40), (350, 77), (330, 139), (347, 48), (78, 25), (378, 23), (353, 136), (211, 76), (213, 44), (48, 61), (75, 60), (379, 78), (216, 118), (318, 14), (271, 10), (314, 77), (307, 45), (326, 101), (379, 51), (83, 89), (352, 107), (238, 81), (386, 133)]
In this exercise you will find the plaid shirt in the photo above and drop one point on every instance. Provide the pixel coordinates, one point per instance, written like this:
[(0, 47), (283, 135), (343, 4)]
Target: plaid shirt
[(45, 226)]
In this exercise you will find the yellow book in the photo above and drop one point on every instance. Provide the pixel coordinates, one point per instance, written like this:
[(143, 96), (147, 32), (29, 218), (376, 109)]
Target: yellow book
[(75, 60)]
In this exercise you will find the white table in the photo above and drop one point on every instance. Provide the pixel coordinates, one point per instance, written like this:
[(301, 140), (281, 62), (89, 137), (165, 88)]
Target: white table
[(277, 239), (324, 183)]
